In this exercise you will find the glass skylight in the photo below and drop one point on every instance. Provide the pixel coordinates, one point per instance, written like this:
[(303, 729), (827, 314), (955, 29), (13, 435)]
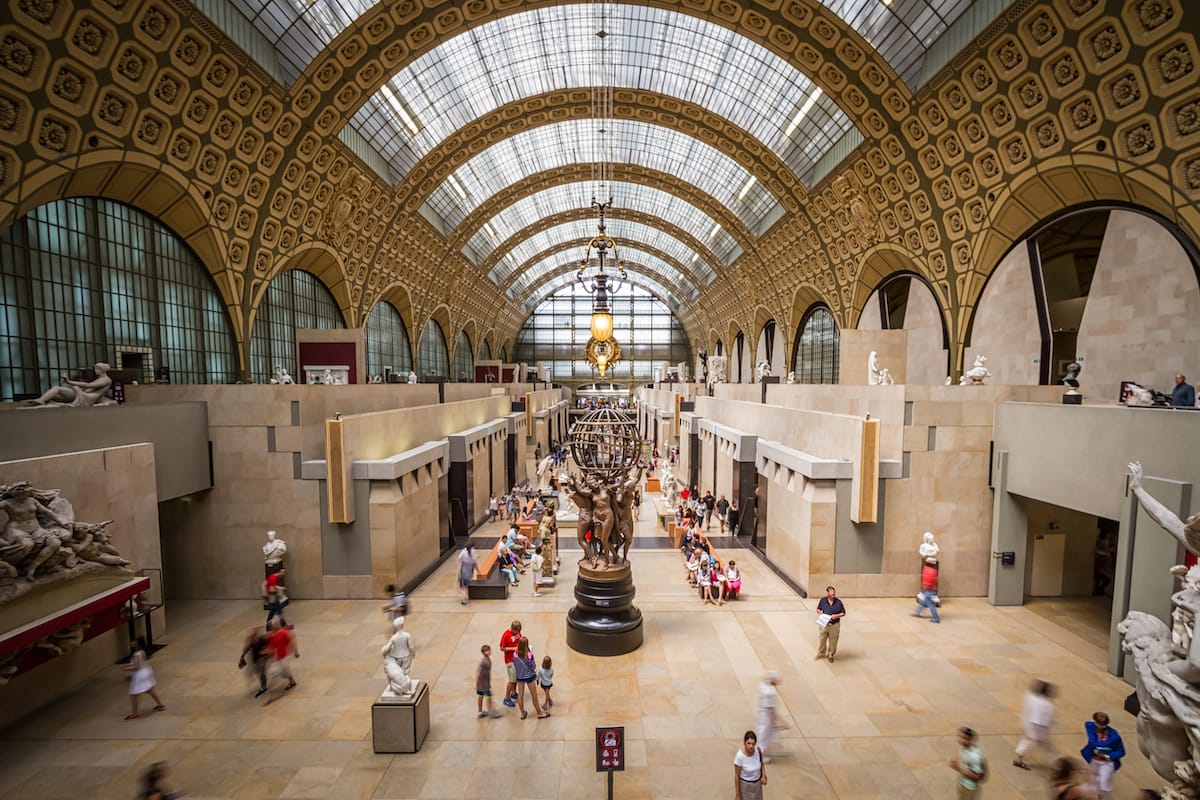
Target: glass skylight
[(632, 255), (626, 197), (300, 29), (627, 234), (571, 142), (555, 48), (636, 277)]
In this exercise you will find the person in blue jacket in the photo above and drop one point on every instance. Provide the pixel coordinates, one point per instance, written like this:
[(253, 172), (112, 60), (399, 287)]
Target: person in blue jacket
[(1103, 752)]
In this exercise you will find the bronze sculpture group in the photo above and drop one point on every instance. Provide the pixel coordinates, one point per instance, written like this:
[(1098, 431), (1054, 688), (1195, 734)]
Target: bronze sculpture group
[(606, 513)]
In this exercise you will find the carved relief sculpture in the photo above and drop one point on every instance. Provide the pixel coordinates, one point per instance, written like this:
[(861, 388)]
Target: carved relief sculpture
[(716, 369)]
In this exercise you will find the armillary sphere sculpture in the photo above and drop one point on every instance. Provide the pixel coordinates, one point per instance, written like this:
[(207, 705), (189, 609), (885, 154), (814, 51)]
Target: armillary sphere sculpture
[(607, 451)]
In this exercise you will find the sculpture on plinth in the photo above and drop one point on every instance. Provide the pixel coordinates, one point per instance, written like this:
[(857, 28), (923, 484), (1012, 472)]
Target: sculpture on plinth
[(606, 450), (877, 376), (273, 552), (975, 375), (545, 474), (763, 370), (41, 541), (397, 662), (1167, 661), (1072, 376), (79, 394), (928, 548), (283, 377), (716, 369), (412, 377)]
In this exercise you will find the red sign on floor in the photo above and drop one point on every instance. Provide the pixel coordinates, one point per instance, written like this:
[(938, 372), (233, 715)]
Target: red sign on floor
[(610, 749)]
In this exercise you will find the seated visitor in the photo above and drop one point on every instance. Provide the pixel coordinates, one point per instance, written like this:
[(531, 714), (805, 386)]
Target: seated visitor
[(686, 542), (507, 562), (733, 580), (704, 578), (692, 566)]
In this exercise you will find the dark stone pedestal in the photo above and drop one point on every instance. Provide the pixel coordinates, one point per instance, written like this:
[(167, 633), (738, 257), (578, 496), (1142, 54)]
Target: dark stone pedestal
[(1070, 399), (604, 622)]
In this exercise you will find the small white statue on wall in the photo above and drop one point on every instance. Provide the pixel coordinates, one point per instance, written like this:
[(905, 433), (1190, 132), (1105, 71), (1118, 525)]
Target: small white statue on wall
[(791, 378), (716, 369), (274, 550), (928, 548), (875, 375), (397, 662), (412, 377), (282, 376), (763, 370), (975, 375)]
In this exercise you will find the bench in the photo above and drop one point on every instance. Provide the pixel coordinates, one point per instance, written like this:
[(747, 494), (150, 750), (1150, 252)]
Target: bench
[(489, 583), (712, 551)]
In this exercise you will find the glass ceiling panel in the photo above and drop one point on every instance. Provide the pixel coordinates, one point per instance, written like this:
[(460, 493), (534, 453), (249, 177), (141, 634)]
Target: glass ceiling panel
[(300, 29), (637, 278), (571, 142), (626, 196), (555, 48), (902, 30), (642, 258), (627, 234)]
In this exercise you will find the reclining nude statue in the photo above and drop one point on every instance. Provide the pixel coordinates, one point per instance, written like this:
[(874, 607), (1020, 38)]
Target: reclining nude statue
[(97, 392), (1167, 661)]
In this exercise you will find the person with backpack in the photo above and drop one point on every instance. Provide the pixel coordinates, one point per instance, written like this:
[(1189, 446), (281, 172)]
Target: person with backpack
[(970, 765)]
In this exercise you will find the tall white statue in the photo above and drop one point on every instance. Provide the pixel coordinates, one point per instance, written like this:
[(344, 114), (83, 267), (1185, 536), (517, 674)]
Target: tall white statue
[(282, 376), (545, 473), (1167, 661), (274, 550), (975, 375), (97, 392), (397, 662), (928, 548), (877, 376)]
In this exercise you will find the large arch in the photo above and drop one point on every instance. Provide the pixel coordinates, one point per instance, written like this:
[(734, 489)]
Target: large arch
[(394, 33), (324, 262), (397, 294)]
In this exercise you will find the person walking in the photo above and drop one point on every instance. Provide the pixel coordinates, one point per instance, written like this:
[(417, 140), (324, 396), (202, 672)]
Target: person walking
[(283, 649), (1103, 753), (483, 684), (466, 569), (398, 607), (257, 646), (768, 721), (153, 784), (545, 676), (142, 680), (1037, 714), (830, 611), (733, 518), (535, 565), (1062, 786), (722, 509), (526, 672), (969, 765), (493, 509), (749, 770), (929, 581), (508, 646), (275, 597)]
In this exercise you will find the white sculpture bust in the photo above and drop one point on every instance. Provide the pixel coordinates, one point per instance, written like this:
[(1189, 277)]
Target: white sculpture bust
[(282, 376), (397, 662), (928, 548), (274, 550), (412, 377)]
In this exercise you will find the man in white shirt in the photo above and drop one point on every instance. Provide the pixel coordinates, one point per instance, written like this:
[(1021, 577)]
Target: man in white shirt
[(1036, 716), (536, 565)]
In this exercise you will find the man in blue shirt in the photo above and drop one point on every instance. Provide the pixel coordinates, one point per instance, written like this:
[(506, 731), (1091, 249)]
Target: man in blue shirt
[(827, 638), (1183, 395)]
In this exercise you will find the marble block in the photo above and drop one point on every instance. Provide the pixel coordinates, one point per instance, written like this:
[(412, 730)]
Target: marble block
[(400, 724)]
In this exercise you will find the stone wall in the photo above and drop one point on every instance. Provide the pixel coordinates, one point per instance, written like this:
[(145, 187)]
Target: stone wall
[(404, 528), (1005, 328), (854, 355)]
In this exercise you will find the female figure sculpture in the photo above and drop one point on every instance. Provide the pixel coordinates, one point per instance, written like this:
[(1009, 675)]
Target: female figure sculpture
[(97, 392)]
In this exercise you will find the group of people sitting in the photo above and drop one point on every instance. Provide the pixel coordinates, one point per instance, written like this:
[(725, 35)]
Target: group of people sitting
[(704, 570), (512, 550)]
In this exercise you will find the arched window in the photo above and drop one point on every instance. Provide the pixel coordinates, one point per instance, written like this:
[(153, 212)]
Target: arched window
[(815, 358), (464, 362), (503, 354), (485, 351), (387, 341), (720, 349), (739, 355), (295, 299), (766, 344), (88, 279), (432, 356)]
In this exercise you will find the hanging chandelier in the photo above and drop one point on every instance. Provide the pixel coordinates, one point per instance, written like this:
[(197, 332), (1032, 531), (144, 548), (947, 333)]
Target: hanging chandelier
[(598, 285)]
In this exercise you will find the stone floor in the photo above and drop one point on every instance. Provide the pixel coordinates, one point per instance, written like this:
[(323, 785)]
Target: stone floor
[(879, 723)]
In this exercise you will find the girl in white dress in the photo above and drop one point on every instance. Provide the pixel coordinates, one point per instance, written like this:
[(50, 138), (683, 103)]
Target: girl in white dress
[(142, 681)]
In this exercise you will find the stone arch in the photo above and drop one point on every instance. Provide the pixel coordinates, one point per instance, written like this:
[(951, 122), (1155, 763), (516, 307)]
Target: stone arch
[(394, 33), (396, 294), (152, 186), (323, 262), (804, 298), (878, 265)]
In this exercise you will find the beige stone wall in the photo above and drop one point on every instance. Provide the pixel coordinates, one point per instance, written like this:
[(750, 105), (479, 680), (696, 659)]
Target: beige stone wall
[(1141, 319), (800, 529), (404, 528), (925, 352), (1005, 328), (115, 483), (854, 354), (884, 403), (479, 488)]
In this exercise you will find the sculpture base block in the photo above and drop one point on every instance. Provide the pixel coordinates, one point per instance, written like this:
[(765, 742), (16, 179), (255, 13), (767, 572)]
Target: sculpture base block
[(1072, 399), (604, 621), (400, 724)]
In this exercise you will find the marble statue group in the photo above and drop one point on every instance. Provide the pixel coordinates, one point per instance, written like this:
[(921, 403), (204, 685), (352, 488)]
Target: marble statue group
[(43, 542)]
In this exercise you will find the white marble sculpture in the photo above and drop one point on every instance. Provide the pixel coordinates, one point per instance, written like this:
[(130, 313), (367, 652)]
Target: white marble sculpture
[(97, 392), (702, 366), (763, 370), (791, 378), (283, 377), (397, 662), (877, 376), (716, 369), (1167, 661), (928, 548), (545, 473), (274, 550), (412, 377), (41, 542), (975, 375)]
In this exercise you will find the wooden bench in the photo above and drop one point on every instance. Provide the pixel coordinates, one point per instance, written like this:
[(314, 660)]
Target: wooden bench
[(489, 583), (712, 552)]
